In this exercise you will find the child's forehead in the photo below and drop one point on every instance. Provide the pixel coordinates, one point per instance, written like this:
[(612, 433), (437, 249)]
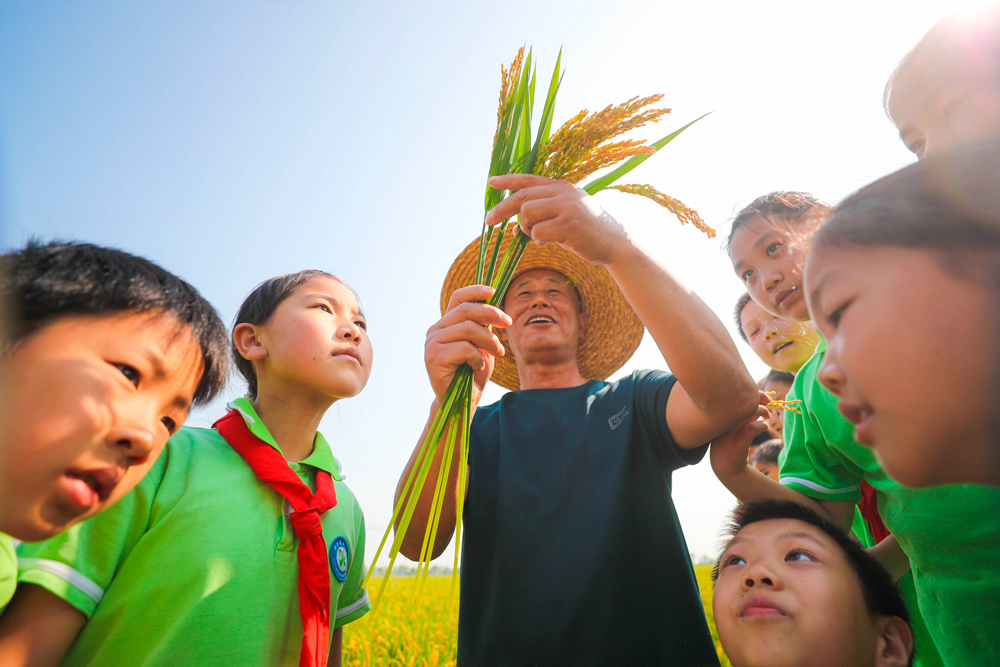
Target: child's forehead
[(769, 531), (327, 286)]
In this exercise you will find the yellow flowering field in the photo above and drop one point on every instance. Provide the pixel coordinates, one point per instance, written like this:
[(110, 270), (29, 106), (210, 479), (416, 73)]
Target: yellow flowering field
[(397, 637)]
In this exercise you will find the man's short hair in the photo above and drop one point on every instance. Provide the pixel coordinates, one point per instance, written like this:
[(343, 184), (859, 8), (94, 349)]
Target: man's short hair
[(42, 283), (881, 595)]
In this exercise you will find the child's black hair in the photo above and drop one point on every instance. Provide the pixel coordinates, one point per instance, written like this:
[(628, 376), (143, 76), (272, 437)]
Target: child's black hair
[(779, 376), (881, 595), (799, 211), (44, 282), (741, 303), (258, 307), (767, 452)]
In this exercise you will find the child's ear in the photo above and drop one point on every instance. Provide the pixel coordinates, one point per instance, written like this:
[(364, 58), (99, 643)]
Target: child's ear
[(248, 342), (895, 642)]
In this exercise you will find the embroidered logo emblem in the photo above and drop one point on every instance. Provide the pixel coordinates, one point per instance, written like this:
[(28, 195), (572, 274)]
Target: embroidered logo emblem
[(616, 420), (339, 557)]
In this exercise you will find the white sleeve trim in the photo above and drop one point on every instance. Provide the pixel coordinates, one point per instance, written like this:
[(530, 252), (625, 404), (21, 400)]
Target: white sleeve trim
[(64, 572), (816, 487), (351, 608)]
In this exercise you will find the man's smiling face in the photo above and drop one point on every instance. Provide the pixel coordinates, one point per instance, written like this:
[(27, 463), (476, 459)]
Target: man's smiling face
[(545, 309)]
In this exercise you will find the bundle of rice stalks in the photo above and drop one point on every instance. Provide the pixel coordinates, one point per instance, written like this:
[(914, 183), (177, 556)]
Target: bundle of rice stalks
[(579, 148)]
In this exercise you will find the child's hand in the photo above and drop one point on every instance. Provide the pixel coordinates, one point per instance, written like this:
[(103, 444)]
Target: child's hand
[(551, 211), (728, 452), (461, 337)]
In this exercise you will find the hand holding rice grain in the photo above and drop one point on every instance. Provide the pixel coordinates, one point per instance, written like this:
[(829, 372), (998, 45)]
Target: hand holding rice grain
[(777, 404)]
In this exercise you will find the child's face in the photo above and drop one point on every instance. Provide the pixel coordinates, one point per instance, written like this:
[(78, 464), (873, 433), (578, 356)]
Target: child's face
[(781, 344), (908, 344), (770, 265), (936, 106), (776, 418), (316, 342), (90, 402), (786, 596)]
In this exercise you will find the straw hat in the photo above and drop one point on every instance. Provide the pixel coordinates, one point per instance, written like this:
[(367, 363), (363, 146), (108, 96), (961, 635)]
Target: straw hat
[(614, 330)]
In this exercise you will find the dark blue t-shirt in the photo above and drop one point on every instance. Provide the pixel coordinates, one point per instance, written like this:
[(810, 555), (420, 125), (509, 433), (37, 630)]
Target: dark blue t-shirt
[(572, 552)]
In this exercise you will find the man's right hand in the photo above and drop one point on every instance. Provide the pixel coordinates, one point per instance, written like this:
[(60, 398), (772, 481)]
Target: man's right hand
[(461, 337)]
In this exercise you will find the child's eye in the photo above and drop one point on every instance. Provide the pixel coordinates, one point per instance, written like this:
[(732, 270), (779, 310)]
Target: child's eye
[(755, 332), (170, 424), (734, 560), (131, 374), (323, 307), (799, 555), (361, 324), (773, 248), (745, 276), (834, 317)]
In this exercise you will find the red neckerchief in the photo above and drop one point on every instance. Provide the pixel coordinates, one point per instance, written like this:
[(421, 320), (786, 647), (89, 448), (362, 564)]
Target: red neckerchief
[(869, 512), (314, 565)]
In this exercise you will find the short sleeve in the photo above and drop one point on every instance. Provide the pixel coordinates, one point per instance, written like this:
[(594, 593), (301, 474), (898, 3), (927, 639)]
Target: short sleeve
[(79, 564), (353, 602), (652, 389), (811, 463)]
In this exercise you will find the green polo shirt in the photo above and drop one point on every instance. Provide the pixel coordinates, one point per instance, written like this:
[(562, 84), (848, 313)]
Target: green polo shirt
[(8, 570), (197, 565), (951, 533)]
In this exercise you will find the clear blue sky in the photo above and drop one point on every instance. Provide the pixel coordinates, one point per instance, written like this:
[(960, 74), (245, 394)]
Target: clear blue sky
[(234, 141)]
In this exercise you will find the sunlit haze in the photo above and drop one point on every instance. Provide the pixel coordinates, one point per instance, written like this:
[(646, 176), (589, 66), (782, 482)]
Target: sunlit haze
[(231, 142)]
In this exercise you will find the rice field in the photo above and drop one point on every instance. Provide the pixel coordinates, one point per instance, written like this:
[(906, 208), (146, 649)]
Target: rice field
[(395, 637)]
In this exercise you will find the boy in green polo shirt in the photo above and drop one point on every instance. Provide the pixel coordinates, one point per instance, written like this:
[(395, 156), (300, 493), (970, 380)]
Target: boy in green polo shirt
[(102, 355)]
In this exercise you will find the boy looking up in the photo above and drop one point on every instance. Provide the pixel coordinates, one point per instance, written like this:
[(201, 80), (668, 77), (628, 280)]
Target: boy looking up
[(792, 589), (103, 356)]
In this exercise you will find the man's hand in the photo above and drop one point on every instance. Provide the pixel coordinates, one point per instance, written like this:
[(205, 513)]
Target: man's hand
[(728, 452), (461, 337), (552, 211)]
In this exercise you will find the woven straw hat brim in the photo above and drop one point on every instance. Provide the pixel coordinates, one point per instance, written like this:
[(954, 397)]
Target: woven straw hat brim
[(614, 331)]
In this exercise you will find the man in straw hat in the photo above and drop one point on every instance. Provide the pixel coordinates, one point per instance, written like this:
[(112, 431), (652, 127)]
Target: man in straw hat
[(573, 553)]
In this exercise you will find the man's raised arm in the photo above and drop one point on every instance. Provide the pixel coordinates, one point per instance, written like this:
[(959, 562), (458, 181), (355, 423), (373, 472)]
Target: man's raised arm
[(714, 391)]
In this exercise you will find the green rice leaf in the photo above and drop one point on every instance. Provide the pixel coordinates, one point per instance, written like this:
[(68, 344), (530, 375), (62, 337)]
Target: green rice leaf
[(599, 184)]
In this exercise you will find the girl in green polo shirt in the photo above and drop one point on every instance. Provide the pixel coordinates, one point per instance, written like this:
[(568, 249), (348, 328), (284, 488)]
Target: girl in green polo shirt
[(242, 546)]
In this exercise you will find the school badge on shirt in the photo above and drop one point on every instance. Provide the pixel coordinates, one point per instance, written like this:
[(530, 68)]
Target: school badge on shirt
[(339, 557)]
